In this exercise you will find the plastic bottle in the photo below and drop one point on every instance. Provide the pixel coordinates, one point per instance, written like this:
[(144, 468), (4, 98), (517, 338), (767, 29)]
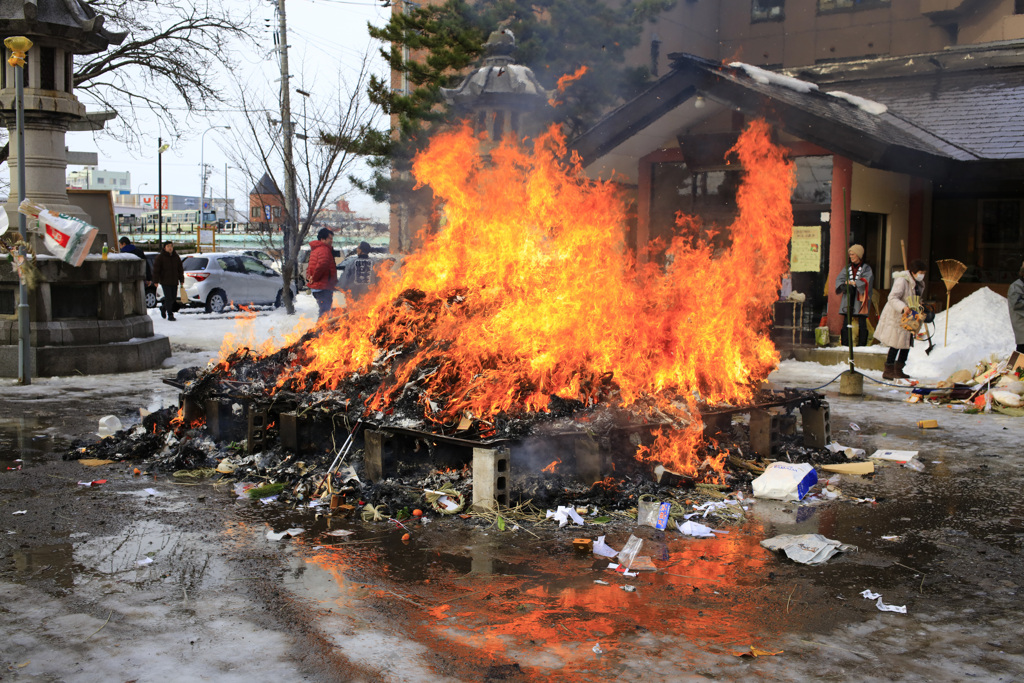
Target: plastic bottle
[(106, 250)]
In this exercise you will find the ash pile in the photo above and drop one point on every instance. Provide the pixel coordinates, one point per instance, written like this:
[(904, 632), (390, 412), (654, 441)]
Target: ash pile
[(235, 424)]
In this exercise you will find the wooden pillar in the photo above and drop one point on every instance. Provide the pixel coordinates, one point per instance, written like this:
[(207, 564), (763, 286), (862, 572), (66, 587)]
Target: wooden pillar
[(842, 186), (915, 219)]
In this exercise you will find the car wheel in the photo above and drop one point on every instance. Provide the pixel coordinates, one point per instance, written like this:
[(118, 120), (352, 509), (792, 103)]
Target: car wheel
[(217, 301), (151, 301)]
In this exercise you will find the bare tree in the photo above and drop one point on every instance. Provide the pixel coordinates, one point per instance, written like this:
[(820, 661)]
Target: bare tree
[(326, 151), (169, 63)]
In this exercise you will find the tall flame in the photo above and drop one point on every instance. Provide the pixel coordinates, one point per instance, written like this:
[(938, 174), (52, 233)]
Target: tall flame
[(528, 292)]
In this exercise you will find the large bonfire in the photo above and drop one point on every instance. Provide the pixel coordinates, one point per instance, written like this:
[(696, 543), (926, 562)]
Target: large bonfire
[(525, 298)]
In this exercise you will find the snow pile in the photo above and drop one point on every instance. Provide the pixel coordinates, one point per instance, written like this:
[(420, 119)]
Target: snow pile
[(869, 106), (765, 77), (979, 327)]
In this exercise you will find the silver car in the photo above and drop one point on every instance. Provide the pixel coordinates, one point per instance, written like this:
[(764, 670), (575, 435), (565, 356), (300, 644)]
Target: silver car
[(216, 281)]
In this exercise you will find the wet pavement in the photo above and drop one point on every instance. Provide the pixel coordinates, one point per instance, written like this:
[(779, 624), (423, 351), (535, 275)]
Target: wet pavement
[(180, 582)]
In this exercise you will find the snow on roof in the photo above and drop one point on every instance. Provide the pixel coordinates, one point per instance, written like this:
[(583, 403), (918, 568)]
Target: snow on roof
[(869, 106), (766, 77)]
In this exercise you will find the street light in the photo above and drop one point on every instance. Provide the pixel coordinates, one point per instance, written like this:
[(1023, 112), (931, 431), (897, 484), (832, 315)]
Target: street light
[(19, 45), (202, 169), (161, 148)]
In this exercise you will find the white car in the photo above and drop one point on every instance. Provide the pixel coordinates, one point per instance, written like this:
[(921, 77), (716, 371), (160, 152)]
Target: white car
[(218, 280)]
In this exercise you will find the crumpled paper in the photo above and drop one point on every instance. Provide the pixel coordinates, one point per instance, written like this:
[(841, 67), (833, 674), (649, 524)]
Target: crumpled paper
[(806, 548), (849, 451), (603, 549), (696, 530), (277, 536), (563, 514), (882, 607)]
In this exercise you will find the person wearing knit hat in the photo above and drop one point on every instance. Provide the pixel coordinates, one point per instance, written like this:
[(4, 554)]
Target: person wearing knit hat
[(854, 284)]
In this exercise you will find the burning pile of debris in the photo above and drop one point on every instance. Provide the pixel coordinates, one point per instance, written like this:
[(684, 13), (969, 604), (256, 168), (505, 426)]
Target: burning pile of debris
[(522, 333)]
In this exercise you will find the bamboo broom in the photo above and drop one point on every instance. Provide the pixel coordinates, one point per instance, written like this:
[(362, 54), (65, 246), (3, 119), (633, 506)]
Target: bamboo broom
[(951, 270)]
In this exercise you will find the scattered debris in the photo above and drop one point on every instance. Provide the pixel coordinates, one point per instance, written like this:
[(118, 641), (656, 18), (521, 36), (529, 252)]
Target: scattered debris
[(860, 468), (287, 533), (785, 481), (806, 548), (882, 607), (755, 652), (900, 457)]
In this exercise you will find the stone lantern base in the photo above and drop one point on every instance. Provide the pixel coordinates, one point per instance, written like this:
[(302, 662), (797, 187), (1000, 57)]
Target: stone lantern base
[(89, 320)]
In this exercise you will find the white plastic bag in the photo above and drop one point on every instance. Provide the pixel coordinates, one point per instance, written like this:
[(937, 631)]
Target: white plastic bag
[(66, 237), (785, 481)]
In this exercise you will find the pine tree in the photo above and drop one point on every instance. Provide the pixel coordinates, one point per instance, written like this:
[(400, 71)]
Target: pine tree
[(553, 37)]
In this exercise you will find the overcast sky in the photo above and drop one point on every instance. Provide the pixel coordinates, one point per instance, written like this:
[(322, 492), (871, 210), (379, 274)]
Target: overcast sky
[(326, 37)]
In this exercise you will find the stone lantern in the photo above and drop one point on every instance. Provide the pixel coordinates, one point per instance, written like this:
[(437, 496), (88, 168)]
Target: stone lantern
[(501, 97), (90, 319), (59, 30)]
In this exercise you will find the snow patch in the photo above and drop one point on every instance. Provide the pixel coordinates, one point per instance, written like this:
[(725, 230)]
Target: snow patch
[(979, 328), (862, 103), (765, 77)]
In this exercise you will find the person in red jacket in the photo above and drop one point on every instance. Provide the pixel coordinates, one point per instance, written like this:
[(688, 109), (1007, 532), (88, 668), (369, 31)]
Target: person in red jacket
[(322, 272)]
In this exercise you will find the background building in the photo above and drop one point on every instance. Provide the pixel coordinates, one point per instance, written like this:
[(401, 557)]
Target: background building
[(92, 178)]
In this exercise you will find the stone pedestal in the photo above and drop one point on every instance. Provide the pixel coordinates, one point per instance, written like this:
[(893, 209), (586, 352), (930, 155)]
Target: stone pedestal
[(89, 320)]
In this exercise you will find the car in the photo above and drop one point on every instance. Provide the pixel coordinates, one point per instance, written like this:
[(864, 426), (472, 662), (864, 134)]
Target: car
[(263, 257), (215, 281), (152, 300)]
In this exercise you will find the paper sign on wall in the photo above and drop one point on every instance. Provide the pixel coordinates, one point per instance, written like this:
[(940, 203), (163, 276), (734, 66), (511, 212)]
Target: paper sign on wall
[(806, 253)]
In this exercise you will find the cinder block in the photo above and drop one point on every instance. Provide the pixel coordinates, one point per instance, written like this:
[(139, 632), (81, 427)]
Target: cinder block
[(589, 461), (256, 434), (222, 423), (491, 477), (817, 424), (765, 429), (375, 447)]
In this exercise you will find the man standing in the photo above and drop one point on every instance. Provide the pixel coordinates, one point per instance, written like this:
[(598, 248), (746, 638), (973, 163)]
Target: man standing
[(322, 271), (168, 273), (127, 247), (359, 275)]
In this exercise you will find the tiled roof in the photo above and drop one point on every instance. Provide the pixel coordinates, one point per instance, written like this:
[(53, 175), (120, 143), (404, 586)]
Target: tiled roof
[(977, 114)]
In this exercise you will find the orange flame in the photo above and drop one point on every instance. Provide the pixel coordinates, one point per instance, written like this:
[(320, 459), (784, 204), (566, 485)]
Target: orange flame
[(550, 469), (564, 82), (529, 292)]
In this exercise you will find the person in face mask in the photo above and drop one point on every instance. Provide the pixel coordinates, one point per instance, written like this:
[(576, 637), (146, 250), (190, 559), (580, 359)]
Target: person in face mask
[(890, 332)]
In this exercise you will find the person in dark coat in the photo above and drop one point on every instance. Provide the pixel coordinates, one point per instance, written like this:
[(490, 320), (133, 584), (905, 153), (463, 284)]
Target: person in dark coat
[(127, 247), (854, 284), (1015, 302), (168, 273), (358, 276), (322, 271)]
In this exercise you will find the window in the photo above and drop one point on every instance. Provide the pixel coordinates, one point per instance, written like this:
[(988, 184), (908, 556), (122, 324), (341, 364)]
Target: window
[(123, 181), (1000, 224), (1018, 6), (847, 5), (47, 68), (277, 212), (254, 212), (99, 180), (767, 10)]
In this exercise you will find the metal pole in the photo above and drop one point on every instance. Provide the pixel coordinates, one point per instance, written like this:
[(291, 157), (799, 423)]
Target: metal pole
[(160, 193), (24, 330)]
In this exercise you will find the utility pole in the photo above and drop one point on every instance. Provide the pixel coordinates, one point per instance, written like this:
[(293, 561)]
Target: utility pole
[(291, 214)]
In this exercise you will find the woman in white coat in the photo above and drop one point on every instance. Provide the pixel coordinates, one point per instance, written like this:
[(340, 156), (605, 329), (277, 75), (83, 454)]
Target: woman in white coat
[(905, 285)]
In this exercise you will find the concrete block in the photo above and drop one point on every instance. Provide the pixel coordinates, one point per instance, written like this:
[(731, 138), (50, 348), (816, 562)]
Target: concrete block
[(376, 445), (256, 434), (81, 332), (491, 477), (222, 423), (765, 429), (817, 424), (589, 460)]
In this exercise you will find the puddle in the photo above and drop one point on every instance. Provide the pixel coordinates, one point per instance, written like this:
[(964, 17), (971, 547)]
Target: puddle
[(22, 443)]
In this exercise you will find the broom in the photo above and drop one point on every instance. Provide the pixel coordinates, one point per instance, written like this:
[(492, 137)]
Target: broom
[(951, 270)]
